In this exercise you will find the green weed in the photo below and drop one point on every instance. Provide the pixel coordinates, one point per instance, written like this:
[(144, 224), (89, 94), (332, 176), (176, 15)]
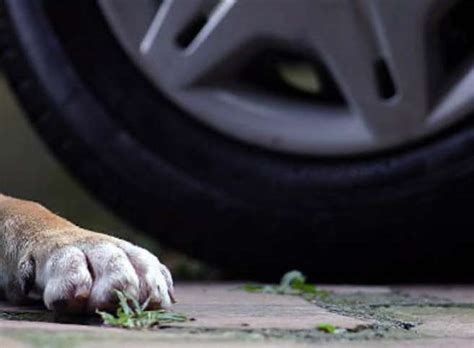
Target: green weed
[(132, 315), (327, 328), (292, 283)]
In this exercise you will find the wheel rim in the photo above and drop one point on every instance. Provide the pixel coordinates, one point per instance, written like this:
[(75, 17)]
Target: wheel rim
[(378, 54)]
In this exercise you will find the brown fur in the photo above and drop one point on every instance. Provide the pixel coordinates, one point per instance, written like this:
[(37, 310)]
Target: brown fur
[(29, 235)]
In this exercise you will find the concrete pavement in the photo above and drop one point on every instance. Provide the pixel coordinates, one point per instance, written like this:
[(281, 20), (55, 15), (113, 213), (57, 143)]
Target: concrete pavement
[(227, 316)]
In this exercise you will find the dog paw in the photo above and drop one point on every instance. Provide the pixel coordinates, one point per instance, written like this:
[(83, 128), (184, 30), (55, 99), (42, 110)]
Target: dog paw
[(82, 276)]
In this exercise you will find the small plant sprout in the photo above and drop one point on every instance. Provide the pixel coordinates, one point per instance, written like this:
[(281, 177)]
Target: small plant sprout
[(131, 315), (328, 328), (292, 283)]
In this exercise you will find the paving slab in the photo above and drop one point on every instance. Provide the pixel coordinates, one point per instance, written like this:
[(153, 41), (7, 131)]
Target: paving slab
[(412, 343), (227, 306), (227, 316), (440, 321), (456, 293)]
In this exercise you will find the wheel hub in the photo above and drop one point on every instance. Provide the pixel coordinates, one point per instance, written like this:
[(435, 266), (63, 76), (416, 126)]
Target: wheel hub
[(374, 56)]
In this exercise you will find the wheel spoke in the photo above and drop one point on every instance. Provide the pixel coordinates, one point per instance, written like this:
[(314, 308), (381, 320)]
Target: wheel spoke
[(375, 49), (458, 101), (207, 49), (401, 29), (212, 47), (171, 17)]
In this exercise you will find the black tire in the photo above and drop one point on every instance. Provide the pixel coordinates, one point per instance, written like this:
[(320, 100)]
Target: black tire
[(397, 216)]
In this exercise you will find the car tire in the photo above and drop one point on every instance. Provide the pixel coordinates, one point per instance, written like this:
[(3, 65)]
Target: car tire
[(399, 215)]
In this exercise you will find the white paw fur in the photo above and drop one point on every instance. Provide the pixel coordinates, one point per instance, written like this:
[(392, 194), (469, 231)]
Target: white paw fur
[(83, 276)]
